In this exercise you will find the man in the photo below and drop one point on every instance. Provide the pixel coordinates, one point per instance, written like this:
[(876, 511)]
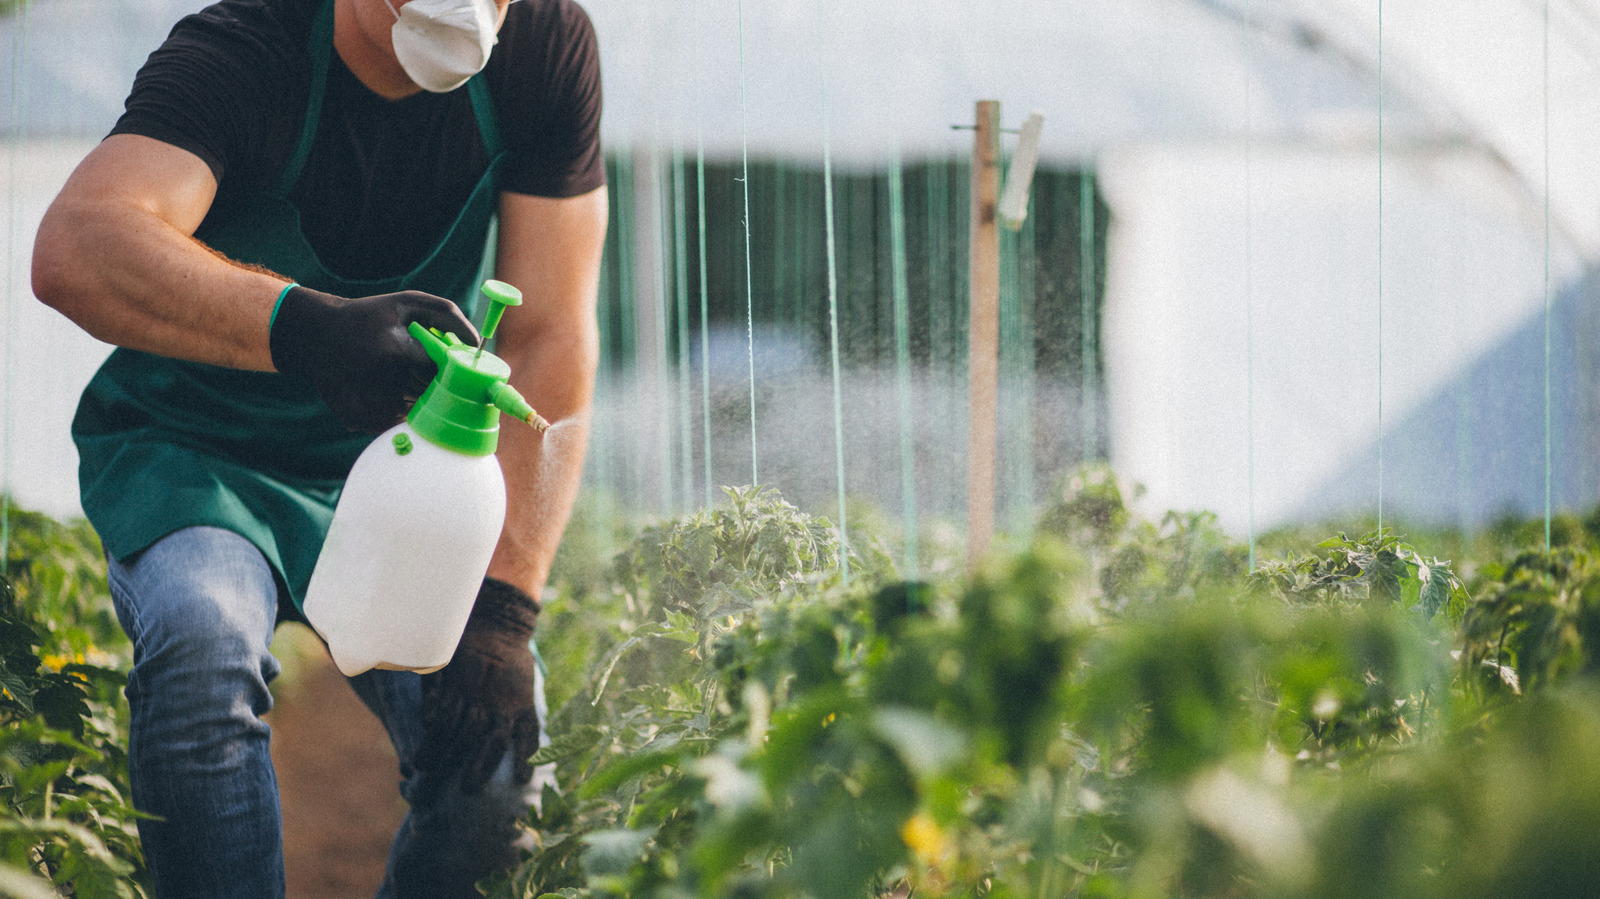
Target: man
[(293, 183)]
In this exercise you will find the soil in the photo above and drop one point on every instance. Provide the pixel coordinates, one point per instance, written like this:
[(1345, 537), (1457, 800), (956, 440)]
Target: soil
[(337, 774)]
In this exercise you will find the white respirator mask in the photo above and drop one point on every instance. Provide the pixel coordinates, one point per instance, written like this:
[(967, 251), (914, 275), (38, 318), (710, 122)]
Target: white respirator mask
[(442, 43)]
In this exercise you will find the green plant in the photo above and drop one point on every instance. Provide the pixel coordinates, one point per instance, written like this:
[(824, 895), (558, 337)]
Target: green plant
[(1378, 567), (1536, 624), (64, 814), (1116, 710), (652, 703)]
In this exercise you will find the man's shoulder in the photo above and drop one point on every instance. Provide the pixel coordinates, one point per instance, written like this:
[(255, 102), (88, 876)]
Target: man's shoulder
[(250, 32), (565, 13), (546, 25), (228, 79)]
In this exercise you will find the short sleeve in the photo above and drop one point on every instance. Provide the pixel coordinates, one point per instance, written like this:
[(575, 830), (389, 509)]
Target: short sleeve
[(229, 86), (549, 99)]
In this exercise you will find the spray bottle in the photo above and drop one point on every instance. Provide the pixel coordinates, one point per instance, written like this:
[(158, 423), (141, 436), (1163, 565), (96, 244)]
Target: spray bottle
[(420, 514)]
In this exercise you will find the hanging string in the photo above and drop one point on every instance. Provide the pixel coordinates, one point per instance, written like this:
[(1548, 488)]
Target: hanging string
[(1547, 298), (1249, 286), (660, 317), (833, 304), (944, 355), (705, 298), (605, 428), (782, 238), (942, 332), (1380, 266), (626, 345), (749, 277), (19, 128), (680, 272), (902, 361), (1086, 316), (1024, 358)]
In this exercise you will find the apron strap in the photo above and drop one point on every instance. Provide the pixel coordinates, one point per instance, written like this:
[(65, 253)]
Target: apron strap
[(320, 48), (483, 109)]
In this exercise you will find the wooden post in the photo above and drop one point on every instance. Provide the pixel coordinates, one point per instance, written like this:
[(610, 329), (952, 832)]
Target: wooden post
[(983, 356)]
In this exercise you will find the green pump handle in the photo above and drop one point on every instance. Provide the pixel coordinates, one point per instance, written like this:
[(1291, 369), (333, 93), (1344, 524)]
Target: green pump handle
[(500, 295), (458, 409)]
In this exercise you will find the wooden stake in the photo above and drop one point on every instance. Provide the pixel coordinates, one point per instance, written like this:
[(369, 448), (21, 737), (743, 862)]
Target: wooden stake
[(983, 357)]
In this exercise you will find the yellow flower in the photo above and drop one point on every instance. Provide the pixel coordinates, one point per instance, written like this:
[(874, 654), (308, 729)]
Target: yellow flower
[(925, 839), (56, 661)]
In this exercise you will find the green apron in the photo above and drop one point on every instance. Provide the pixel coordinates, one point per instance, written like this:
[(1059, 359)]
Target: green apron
[(165, 444)]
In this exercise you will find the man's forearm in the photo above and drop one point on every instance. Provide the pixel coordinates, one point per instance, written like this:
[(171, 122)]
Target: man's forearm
[(543, 471), (550, 249)]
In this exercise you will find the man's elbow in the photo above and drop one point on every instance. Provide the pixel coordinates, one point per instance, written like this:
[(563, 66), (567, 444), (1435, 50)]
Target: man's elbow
[(58, 260)]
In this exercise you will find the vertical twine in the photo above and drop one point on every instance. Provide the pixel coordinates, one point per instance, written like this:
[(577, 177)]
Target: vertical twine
[(705, 299), (19, 105), (1547, 299), (624, 344), (680, 271), (1026, 356), (749, 277), (833, 304), (1249, 287), (902, 359), (1380, 266), (1088, 423)]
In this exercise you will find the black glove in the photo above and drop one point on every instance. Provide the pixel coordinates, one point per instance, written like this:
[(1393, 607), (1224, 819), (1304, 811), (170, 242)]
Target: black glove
[(481, 704), (358, 354)]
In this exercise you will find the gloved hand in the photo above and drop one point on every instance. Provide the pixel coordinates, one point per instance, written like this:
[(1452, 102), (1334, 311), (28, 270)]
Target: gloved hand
[(358, 354), (481, 704)]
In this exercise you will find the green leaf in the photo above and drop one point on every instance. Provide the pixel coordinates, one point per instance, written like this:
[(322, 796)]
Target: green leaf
[(16, 883), (1435, 593), (568, 744), (728, 785), (926, 744), (18, 689), (625, 769), (614, 851)]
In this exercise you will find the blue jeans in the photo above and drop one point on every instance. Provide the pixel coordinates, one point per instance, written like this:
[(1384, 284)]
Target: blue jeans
[(200, 606)]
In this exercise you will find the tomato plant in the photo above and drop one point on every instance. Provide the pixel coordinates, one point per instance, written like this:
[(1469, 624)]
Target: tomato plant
[(1119, 709), (67, 826)]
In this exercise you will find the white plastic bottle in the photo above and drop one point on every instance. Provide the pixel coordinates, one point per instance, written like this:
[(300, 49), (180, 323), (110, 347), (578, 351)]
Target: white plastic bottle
[(420, 516)]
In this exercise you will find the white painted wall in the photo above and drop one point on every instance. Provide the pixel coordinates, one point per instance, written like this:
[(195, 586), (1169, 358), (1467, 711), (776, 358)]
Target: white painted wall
[(46, 358)]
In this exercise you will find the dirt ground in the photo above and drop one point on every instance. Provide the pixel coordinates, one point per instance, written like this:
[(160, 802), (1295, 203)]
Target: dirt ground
[(337, 775)]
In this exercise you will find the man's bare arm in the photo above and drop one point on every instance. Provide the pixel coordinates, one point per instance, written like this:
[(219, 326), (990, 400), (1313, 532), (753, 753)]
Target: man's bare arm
[(550, 250), (116, 254)]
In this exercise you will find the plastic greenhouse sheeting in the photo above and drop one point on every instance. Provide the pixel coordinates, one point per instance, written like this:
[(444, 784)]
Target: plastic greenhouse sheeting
[(1329, 217)]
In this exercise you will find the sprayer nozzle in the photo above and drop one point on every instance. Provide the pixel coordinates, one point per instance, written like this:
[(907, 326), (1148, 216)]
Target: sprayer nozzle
[(538, 422)]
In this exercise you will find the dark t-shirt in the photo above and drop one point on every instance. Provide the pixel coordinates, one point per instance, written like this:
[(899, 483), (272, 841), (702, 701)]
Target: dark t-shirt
[(385, 179)]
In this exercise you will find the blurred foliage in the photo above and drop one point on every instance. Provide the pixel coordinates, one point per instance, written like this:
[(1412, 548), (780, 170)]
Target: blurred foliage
[(1119, 709), (65, 816), (1116, 709), (1536, 623)]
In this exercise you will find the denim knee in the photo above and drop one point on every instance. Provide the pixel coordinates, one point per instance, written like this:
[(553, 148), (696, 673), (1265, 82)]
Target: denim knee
[(200, 607)]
